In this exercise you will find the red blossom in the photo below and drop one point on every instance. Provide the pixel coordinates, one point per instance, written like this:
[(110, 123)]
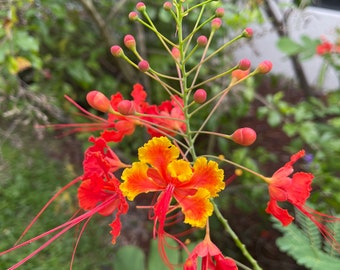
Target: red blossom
[(296, 190), (212, 257), (169, 117), (121, 121)]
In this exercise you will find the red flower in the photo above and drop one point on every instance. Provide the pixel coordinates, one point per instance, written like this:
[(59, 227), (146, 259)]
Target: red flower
[(100, 185), (295, 189), (324, 47), (166, 119), (212, 257)]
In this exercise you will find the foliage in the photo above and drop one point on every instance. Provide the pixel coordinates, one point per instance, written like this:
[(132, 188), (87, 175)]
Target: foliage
[(305, 244)]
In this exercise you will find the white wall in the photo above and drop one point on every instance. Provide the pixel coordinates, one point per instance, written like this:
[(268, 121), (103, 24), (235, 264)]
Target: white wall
[(312, 21)]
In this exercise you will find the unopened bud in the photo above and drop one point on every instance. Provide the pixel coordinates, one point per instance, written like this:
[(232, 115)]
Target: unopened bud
[(143, 66), (239, 74), (200, 96), (167, 6), (140, 6), (133, 16), (264, 67), (176, 53), (98, 101), (244, 136), (117, 51), (248, 32), (126, 107), (130, 42), (219, 12), (216, 23), (202, 41), (244, 64)]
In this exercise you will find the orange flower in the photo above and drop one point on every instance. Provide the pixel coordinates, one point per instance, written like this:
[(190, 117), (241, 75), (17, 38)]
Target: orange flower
[(160, 170)]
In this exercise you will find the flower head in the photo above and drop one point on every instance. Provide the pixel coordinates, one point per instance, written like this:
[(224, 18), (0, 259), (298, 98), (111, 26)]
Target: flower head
[(160, 170), (282, 187), (99, 184), (212, 257)]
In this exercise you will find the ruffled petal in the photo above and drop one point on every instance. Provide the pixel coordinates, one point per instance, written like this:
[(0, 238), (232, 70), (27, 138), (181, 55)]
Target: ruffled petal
[(281, 214), (300, 188), (196, 208), (158, 152), (181, 170), (206, 175), (136, 181)]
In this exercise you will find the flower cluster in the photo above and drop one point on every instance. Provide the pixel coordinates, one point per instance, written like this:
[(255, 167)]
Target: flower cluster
[(184, 182), (327, 47), (124, 115)]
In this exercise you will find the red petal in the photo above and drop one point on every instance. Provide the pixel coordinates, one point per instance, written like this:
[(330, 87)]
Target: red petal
[(281, 214)]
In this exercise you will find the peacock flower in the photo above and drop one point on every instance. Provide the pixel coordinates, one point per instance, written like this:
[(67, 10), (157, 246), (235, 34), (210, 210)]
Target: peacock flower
[(167, 118), (160, 170), (295, 190), (124, 115), (212, 257), (99, 184)]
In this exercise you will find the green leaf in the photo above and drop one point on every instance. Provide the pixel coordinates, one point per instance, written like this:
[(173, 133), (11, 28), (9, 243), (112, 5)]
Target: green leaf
[(129, 258), (172, 250), (288, 46)]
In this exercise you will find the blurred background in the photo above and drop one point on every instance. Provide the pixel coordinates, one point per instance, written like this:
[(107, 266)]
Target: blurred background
[(49, 49)]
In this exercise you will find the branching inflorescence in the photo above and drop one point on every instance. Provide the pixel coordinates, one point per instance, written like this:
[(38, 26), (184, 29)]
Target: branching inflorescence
[(169, 164)]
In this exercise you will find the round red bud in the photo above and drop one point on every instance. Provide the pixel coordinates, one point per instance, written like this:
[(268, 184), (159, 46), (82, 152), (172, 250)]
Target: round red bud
[(140, 6), (219, 12), (248, 32), (264, 67), (216, 23), (167, 6), (244, 136), (130, 42), (176, 53), (98, 101), (202, 41), (244, 64), (133, 16), (126, 107), (200, 96), (143, 66), (116, 51)]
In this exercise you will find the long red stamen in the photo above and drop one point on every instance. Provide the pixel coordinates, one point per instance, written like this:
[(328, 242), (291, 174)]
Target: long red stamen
[(65, 227), (74, 181)]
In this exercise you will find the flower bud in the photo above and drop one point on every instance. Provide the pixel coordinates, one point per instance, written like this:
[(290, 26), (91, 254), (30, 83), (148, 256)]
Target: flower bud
[(117, 51), (98, 101), (216, 23), (248, 32), (130, 42), (200, 96), (239, 74), (202, 41), (176, 53), (244, 136), (219, 12), (140, 6), (244, 64), (143, 66), (167, 6), (264, 67), (133, 16), (126, 107)]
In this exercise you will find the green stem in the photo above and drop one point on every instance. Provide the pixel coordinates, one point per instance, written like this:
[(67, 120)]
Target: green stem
[(234, 236)]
